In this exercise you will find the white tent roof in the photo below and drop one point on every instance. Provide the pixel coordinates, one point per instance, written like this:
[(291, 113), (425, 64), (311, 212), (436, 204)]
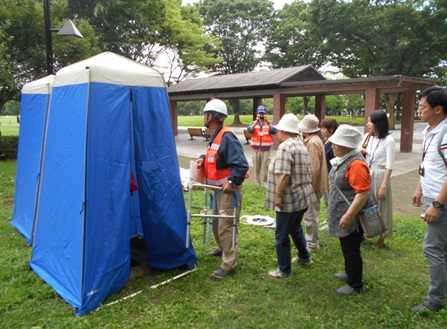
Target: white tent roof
[(41, 86), (109, 68)]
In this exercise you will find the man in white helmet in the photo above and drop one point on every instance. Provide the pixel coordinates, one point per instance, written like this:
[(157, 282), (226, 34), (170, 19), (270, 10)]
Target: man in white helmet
[(224, 165)]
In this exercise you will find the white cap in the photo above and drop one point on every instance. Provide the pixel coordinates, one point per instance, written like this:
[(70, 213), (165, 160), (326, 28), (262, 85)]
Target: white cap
[(309, 124), (289, 122), (216, 105), (347, 136)]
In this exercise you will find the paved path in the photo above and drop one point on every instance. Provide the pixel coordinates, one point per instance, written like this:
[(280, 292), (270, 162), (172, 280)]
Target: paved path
[(405, 162)]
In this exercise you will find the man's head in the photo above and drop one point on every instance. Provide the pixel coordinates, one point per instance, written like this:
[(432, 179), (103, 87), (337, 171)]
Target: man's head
[(261, 110), (432, 104), (216, 110)]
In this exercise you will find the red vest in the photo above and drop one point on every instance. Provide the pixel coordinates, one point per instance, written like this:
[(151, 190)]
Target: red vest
[(212, 174), (261, 136)]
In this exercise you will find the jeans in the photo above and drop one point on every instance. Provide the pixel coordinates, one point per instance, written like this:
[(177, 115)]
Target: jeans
[(289, 223), (435, 250), (350, 245)]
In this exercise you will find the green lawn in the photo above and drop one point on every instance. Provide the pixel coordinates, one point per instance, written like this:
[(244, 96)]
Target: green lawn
[(9, 125), (396, 278), (197, 120)]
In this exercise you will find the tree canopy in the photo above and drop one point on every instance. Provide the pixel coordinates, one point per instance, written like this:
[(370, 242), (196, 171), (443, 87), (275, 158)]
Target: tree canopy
[(357, 38)]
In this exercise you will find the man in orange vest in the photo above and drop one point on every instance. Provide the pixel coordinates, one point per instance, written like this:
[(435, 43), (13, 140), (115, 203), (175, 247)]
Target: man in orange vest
[(224, 165), (261, 143)]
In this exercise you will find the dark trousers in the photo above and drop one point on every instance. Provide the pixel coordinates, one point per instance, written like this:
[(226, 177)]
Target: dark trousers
[(350, 245), (289, 224)]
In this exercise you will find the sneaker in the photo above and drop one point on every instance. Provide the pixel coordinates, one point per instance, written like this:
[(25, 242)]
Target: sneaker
[(341, 276), (215, 252), (278, 274), (313, 248), (427, 305), (348, 290), (296, 260), (220, 273)]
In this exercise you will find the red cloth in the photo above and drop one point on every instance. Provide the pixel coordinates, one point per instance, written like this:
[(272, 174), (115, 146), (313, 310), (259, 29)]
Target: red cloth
[(133, 183)]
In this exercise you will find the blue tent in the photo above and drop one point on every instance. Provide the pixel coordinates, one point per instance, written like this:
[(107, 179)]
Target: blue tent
[(34, 103), (107, 115)]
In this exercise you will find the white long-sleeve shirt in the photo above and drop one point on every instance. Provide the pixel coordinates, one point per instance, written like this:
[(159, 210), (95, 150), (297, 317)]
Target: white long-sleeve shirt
[(380, 152)]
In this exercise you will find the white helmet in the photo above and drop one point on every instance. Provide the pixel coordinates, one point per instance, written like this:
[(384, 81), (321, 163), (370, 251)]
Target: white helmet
[(216, 105)]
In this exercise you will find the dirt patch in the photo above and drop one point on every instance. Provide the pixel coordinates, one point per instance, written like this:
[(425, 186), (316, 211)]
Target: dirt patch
[(403, 187)]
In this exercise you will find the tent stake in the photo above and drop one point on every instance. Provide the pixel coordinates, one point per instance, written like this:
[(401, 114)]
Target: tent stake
[(175, 277)]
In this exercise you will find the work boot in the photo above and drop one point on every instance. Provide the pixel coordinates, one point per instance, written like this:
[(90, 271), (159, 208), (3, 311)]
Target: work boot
[(220, 273), (215, 252)]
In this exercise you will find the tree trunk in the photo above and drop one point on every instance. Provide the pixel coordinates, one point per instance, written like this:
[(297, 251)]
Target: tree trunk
[(390, 100), (305, 105), (235, 105)]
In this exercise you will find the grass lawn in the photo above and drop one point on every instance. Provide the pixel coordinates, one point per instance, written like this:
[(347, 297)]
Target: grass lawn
[(9, 125), (396, 278), (197, 120)]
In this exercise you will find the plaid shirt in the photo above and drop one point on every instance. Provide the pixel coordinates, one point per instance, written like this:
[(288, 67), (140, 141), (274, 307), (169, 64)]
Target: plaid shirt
[(292, 158)]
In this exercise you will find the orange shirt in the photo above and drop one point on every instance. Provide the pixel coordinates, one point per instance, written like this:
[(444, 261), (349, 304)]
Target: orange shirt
[(358, 176)]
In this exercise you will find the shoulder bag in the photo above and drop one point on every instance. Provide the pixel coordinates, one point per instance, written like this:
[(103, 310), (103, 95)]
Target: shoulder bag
[(371, 219)]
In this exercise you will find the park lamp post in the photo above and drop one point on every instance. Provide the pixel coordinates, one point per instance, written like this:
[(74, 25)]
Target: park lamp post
[(69, 29)]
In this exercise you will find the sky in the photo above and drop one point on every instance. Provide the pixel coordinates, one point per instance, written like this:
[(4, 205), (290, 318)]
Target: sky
[(277, 3)]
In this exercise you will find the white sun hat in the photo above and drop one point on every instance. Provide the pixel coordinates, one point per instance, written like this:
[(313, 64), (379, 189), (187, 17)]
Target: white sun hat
[(347, 136), (309, 124), (289, 122)]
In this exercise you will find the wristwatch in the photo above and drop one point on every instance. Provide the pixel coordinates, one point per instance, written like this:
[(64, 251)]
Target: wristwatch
[(231, 182), (437, 204)]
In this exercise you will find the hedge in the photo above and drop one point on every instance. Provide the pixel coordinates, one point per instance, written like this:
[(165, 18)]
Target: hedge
[(8, 147)]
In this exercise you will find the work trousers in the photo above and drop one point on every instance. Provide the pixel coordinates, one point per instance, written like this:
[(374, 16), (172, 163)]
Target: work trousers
[(261, 164), (223, 227)]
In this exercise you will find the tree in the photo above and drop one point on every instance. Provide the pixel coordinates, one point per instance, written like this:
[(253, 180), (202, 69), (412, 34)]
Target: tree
[(241, 26), (22, 44), (380, 38), (186, 49), (294, 41), (152, 32)]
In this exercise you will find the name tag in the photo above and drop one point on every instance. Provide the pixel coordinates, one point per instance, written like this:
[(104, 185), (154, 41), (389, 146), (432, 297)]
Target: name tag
[(421, 170)]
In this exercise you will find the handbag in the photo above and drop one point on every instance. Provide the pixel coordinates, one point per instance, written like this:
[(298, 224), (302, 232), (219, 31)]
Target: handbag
[(371, 219), (365, 145)]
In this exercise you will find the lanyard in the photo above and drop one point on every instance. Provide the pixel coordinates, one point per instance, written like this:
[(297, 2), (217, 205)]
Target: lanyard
[(424, 149)]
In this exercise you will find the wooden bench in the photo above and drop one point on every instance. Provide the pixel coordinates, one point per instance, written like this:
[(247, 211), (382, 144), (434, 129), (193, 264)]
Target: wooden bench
[(247, 136), (207, 134), (198, 132)]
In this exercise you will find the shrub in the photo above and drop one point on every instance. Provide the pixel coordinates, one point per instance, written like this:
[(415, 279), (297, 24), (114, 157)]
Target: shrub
[(8, 147)]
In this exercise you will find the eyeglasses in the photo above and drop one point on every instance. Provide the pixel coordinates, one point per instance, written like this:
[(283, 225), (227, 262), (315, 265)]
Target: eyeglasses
[(423, 107)]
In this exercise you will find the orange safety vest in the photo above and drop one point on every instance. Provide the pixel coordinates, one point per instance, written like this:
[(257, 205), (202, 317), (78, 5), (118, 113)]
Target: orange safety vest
[(212, 174), (261, 136)]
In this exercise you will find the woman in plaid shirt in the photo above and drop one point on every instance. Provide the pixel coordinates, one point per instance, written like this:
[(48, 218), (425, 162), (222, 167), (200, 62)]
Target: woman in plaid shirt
[(289, 192)]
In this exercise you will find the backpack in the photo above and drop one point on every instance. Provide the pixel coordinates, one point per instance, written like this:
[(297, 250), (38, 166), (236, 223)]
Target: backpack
[(441, 137)]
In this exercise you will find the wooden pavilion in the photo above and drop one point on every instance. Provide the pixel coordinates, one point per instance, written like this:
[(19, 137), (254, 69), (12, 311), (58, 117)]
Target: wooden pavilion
[(302, 81)]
